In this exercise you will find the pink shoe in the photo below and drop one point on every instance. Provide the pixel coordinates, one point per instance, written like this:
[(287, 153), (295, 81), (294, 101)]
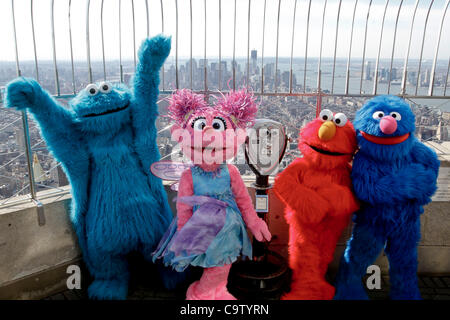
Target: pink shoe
[(194, 294)]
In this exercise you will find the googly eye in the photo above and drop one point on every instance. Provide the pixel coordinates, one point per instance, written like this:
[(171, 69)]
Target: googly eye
[(377, 115), (326, 115), (219, 124), (397, 116), (340, 119), (105, 87), (198, 124), (91, 89)]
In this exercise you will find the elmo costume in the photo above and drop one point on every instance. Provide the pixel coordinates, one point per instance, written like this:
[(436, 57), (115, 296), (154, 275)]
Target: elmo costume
[(317, 192)]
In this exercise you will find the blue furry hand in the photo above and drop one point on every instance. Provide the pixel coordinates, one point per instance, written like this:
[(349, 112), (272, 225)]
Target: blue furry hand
[(22, 93), (154, 51)]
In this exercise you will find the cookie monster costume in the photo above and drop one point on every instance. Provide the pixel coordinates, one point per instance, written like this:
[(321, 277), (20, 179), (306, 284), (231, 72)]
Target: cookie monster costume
[(106, 141), (393, 175), (317, 192)]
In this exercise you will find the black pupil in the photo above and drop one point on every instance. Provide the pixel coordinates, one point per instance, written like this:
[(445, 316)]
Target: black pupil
[(105, 87), (325, 117), (216, 125), (338, 121), (92, 90), (394, 115), (380, 115), (202, 125)]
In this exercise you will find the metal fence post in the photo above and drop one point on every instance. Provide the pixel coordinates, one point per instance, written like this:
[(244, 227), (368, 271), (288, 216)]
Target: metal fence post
[(26, 133)]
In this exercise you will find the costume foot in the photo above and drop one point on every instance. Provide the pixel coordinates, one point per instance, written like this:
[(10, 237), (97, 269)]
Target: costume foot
[(223, 294), (302, 295), (413, 295), (193, 293), (108, 290), (328, 291), (350, 292), (317, 290)]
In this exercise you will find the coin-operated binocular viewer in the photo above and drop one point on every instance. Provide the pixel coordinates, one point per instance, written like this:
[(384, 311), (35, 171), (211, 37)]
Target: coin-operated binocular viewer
[(267, 274)]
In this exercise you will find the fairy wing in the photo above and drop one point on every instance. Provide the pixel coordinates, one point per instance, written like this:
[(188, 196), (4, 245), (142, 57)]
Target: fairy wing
[(169, 170)]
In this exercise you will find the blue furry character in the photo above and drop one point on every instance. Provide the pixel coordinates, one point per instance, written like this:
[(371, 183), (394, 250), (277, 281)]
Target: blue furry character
[(106, 141), (394, 175)]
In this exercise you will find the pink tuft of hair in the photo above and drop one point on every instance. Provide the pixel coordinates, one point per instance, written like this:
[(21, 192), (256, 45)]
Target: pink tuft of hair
[(241, 105), (183, 103)]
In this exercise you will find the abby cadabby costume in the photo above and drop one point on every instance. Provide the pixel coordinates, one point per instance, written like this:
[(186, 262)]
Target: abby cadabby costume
[(213, 206)]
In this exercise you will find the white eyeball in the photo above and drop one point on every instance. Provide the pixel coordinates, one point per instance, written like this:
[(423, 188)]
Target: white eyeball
[(377, 115), (105, 87), (219, 124), (198, 124), (326, 115), (340, 119), (397, 116), (91, 89)]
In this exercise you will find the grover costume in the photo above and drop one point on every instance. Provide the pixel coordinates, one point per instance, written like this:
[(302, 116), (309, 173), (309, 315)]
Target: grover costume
[(394, 175), (317, 192), (106, 142)]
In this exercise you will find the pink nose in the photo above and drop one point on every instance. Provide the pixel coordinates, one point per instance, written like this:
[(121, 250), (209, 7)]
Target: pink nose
[(388, 125)]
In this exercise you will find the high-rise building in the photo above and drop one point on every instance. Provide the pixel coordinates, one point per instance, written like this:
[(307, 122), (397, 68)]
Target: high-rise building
[(394, 74), (39, 173), (254, 56), (20, 139), (368, 71)]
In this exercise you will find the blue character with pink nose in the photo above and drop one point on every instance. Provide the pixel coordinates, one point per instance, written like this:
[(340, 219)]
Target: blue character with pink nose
[(394, 175)]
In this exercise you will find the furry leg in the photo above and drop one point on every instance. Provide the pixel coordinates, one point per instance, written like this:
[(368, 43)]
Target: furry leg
[(329, 237), (211, 286), (111, 277), (401, 251), (308, 282), (362, 250)]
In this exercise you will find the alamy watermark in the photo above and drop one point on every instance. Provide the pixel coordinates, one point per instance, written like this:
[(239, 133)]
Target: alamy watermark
[(374, 280), (74, 280)]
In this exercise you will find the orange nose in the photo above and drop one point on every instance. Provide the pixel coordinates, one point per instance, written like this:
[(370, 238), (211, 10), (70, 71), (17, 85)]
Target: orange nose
[(327, 131)]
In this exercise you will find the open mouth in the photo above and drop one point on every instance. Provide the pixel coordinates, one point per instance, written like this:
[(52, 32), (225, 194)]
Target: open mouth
[(328, 153), (106, 112), (385, 140)]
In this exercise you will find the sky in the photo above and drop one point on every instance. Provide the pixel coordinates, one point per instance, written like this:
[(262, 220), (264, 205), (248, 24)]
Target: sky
[(43, 30)]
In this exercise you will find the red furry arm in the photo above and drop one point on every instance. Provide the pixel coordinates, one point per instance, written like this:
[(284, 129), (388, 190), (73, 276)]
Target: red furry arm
[(185, 189), (256, 225), (308, 204), (342, 198), (341, 194)]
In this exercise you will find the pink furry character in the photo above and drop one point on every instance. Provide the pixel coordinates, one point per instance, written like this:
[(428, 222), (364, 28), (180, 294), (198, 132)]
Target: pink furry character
[(213, 206)]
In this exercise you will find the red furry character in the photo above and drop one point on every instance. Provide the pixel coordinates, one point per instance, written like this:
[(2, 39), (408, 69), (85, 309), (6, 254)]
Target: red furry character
[(317, 192)]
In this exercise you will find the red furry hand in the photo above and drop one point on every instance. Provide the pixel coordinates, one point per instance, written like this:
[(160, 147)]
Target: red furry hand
[(311, 206), (344, 201), (260, 230)]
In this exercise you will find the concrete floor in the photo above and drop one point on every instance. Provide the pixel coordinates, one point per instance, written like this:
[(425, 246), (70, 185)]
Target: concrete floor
[(431, 287)]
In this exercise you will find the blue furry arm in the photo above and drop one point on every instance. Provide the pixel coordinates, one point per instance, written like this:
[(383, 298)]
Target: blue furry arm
[(426, 156), (55, 122), (152, 54), (378, 184), (58, 130)]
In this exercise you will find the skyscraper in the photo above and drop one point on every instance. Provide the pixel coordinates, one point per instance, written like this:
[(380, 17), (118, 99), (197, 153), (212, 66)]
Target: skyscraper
[(368, 71), (254, 56)]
